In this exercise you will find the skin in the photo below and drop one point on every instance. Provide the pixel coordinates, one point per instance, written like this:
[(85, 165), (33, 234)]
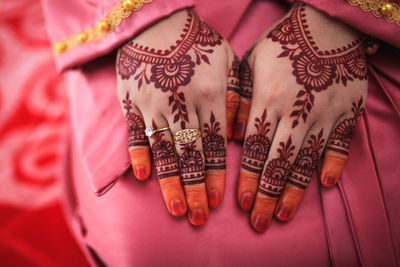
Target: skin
[(278, 91), (169, 90)]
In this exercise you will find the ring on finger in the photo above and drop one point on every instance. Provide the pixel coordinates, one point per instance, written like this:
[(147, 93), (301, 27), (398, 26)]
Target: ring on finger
[(149, 131), (186, 136)]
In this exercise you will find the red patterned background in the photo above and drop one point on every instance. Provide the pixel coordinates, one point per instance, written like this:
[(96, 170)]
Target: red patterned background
[(33, 231)]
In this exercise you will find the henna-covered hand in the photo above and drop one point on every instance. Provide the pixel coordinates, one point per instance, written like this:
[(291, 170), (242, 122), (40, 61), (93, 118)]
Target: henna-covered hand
[(176, 74), (306, 80)]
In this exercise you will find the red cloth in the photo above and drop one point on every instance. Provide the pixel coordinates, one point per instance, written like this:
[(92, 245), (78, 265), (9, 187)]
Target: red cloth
[(33, 231)]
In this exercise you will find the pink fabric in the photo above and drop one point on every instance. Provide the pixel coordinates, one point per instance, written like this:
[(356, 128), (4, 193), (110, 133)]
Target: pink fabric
[(345, 226), (67, 18)]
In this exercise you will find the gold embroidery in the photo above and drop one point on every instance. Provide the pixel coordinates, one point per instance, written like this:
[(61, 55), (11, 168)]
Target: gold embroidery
[(380, 9), (123, 9)]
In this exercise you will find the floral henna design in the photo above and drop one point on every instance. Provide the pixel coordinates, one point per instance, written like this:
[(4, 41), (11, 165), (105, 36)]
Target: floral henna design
[(214, 145), (316, 70), (192, 165), (135, 125), (233, 76), (306, 162), (343, 134), (164, 155), (256, 146), (275, 174), (173, 68)]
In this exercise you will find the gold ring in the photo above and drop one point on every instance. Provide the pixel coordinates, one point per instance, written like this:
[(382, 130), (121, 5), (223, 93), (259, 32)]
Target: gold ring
[(149, 131), (186, 136)]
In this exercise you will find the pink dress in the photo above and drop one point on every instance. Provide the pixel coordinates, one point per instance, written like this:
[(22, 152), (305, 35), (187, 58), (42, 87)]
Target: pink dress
[(355, 223)]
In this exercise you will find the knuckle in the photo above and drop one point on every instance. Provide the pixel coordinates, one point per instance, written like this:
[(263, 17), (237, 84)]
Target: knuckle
[(210, 91), (170, 186)]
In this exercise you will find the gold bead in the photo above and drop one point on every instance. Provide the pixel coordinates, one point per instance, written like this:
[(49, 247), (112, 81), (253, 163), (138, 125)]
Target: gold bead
[(103, 26), (372, 49), (387, 9), (128, 4), (60, 47), (82, 37)]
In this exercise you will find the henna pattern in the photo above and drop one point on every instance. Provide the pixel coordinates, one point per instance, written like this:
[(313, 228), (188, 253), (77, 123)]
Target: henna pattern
[(135, 125), (214, 145), (246, 84), (233, 76), (274, 177), (341, 137), (164, 156), (192, 165), (306, 161), (173, 68), (256, 146), (315, 70)]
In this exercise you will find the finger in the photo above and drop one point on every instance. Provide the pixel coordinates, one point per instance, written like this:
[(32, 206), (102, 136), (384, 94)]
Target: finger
[(139, 151), (300, 174), (246, 88), (337, 149), (166, 164), (255, 150), (192, 170), (283, 151), (232, 97), (215, 155)]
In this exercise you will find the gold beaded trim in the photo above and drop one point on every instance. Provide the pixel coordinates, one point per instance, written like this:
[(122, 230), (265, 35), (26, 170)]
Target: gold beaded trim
[(380, 8), (123, 9)]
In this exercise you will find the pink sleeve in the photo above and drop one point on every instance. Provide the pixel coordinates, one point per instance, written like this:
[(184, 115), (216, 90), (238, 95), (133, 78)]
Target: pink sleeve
[(364, 21), (65, 19)]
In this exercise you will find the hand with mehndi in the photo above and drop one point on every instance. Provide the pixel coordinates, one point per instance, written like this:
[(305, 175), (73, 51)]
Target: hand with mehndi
[(171, 77), (306, 80)]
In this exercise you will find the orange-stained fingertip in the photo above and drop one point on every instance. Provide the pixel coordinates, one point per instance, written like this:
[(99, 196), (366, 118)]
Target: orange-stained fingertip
[(284, 213), (246, 201), (329, 180), (214, 199), (140, 161), (239, 131), (260, 222), (229, 130), (197, 217), (178, 207)]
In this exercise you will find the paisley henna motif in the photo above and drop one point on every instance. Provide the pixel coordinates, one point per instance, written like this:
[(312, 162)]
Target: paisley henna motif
[(256, 146), (306, 161), (214, 145), (341, 137), (192, 165), (135, 125), (315, 70), (164, 156), (274, 177), (173, 68)]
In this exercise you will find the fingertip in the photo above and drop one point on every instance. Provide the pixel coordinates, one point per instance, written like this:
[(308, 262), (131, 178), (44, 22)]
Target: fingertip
[(140, 161), (246, 201), (178, 207), (214, 198), (197, 217), (284, 213), (332, 168), (288, 202), (239, 131)]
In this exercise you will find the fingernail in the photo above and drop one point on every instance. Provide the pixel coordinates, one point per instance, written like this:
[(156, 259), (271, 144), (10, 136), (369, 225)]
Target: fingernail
[(140, 172), (229, 130), (177, 207), (240, 128), (260, 223), (284, 213), (213, 198), (329, 180), (197, 217), (247, 201)]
